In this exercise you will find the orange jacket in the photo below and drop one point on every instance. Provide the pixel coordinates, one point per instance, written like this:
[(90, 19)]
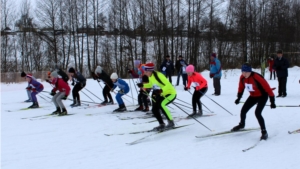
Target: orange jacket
[(198, 80)]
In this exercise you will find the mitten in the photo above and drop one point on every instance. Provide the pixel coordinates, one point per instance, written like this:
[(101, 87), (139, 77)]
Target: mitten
[(272, 100), (211, 75), (186, 89), (52, 93), (237, 101), (28, 88), (140, 85), (65, 97)]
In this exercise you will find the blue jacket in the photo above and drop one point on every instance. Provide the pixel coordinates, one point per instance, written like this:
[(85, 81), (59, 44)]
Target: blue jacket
[(122, 85), (281, 66), (216, 68)]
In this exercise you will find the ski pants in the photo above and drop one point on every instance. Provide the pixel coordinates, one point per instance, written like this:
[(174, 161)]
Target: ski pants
[(143, 97), (217, 85), (119, 98), (161, 104), (56, 99), (282, 85), (75, 91), (34, 93), (196, 98), (250, 102), (106, 93)]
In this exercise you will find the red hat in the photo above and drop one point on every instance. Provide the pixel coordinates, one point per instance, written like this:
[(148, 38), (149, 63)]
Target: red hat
[(214, 55), (149, 67), (29, 76)]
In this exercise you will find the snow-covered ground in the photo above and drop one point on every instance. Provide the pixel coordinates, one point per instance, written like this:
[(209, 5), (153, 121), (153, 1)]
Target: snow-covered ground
[(78, 141)]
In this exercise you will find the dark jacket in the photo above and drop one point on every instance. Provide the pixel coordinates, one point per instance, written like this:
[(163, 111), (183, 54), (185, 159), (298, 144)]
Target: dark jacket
[(281, 66), (168, 65), (179, 64), (105, 78), (78, 78)]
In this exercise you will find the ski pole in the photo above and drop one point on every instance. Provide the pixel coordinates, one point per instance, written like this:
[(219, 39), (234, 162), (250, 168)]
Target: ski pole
[(281, 105), (131, 91), (183, 105), (217, 103), (203, 105), (93, 94), (87, 95)]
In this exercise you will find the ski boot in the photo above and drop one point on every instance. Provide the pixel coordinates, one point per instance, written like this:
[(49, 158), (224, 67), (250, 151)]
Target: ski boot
[(73, 104), (140, 108), (238, 127), (193, 114), (34, 105), (161, 127), (170, 125), (104, 102), (264, 134), (57, 111), (63, 112), (146, 109)]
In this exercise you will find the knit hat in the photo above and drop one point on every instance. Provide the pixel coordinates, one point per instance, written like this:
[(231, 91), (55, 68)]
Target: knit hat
[(71, 70), (149, 67), (214, 55), (246, 67), (137, 62), (190, 69), (98, 69), (23, 74), (114, 76), (54, 74), (145, 79), (29, 76), (279, 51)]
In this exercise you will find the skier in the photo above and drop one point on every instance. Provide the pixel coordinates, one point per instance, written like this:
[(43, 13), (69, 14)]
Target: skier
[(79, 82), (124, 89), (64, 90), (23, 74), (164, 96), (167, 67), (143, 98), (259, 91), (200, 85), (102, 75), (35, 88)]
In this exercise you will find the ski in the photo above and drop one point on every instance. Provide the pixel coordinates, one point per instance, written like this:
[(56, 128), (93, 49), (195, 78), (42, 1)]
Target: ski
[(145, 122), (23, 109), (254, 145), (37, 116), (228, 132), (294, 132), (130, 118), (46, 117), (197, 116), (156, 132)]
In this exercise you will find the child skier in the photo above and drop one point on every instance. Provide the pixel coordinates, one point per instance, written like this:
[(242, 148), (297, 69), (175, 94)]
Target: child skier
[(79, 82), (124, 89), (64, 90), (200, 85), (34, 87), (259, 91), (23, 74)]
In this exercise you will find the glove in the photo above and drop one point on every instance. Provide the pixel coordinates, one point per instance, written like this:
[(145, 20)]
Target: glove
[(72, 83), (140, 84), (121, 91), (272, 100), (52, 93), (237, 101), (211, 75), (28, 88), (186, 89), (47, 80), (111, 90), (33, 90), (65, 97), (95, 77)]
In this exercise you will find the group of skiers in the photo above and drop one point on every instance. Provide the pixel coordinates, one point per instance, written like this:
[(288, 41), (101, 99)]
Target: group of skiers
[(163, 92)]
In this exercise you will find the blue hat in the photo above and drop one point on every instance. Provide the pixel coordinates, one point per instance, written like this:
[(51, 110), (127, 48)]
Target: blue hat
[(246, 67)]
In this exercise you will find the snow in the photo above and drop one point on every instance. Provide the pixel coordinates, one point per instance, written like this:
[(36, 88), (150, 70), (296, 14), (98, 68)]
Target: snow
[(78, 141)]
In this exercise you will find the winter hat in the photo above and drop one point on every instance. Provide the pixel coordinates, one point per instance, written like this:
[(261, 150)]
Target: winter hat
[(279, 51), (190, 69), (23, 74), (29, 76), (180, 56), (214, 55), (145, 79), (54, 74), (114, 76), (71, 70), (149, 67), (137, 62), (246, 67), (98, 69)]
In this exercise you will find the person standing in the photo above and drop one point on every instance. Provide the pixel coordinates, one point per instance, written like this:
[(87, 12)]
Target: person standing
[(35, 88), (79, 82), (164, 96), (272, 71), (64, 91), (259, 90), (124, 89), (281, 66), (168, 67), (200, 85), (102, 75), (180, 66), (216, 73)]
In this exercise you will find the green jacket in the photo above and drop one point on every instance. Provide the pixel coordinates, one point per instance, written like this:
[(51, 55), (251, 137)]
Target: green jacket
[(166, 89)]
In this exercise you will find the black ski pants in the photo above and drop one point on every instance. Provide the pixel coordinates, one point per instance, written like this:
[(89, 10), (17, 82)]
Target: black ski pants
[(196, 98), (106, 93), (75, 91)]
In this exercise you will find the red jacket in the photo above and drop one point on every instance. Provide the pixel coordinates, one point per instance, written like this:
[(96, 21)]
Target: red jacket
[(60, 85), (271, 63), (198, 81), (255, 84)]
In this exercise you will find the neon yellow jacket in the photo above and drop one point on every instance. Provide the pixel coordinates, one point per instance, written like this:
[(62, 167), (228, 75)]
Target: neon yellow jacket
[(166, 89)]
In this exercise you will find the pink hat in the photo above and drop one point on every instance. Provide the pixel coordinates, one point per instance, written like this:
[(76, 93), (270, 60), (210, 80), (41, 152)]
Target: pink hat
[(190, 68)]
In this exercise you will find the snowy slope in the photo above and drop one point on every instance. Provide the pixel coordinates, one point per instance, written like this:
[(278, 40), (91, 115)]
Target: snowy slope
[(78, 141)]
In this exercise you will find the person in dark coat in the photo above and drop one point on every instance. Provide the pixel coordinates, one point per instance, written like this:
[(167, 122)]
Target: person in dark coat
[(281, 66), (167, 67), (181, 66), (79, 82)]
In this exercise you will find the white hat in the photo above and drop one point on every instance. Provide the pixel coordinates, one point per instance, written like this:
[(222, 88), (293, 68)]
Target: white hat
[(114, 76), (54, 74), (98, 69)]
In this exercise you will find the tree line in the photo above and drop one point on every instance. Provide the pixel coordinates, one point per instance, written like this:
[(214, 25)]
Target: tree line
[(113, 33)]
